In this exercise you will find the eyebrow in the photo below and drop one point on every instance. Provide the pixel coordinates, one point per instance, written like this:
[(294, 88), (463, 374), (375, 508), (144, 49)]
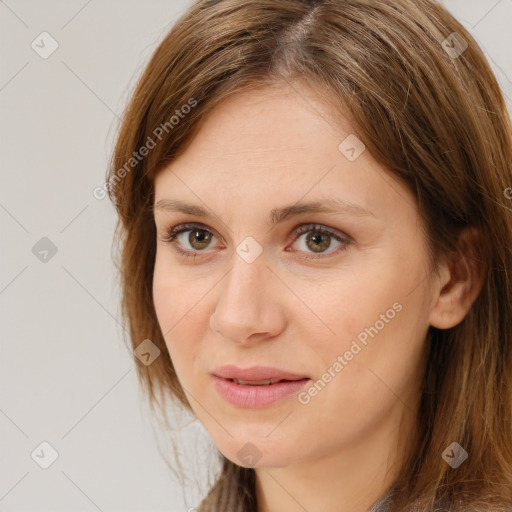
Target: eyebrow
[(277, 215)]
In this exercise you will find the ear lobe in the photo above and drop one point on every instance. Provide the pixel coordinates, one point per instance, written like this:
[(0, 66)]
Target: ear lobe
[(461, 282)]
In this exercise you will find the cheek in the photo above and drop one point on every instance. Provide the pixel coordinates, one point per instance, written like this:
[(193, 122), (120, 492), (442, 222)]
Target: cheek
[(359, 384), (337, 307), (182, 310), (174, 294), (164, 297), (381, 339), (371, 319)]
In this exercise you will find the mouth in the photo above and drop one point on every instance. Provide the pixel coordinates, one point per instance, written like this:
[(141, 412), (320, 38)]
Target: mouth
[(264, 382), (257, 394), (256, 375)]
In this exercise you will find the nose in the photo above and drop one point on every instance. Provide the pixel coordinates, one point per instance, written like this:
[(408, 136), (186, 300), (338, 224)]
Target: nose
[(248, 308)]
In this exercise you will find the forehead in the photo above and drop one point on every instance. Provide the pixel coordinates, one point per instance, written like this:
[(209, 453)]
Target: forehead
[(278, 124), (276, 142)]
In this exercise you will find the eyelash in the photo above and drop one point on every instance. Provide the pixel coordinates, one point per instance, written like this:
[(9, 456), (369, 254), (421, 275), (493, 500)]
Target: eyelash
[(172, 233)]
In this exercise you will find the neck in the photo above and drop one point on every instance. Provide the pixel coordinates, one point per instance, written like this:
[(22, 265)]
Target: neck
[(349, 479)]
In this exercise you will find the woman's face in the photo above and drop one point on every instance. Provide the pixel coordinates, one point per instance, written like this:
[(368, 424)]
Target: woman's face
[(340, 296)]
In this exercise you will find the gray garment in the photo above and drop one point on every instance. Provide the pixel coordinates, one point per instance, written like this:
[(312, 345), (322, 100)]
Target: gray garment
[(382, 504)]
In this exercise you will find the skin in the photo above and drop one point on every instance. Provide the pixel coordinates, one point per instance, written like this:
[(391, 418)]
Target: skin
[(264, 149)]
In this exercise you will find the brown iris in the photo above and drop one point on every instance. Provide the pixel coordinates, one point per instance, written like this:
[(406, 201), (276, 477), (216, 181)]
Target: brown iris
[(200, 236), (321, 241)]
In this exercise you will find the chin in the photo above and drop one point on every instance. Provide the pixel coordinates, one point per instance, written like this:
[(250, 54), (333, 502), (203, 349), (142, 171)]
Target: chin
[(258, 452)]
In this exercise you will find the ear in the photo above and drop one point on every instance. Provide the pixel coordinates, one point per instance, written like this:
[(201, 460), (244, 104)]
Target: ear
[(460, 281)]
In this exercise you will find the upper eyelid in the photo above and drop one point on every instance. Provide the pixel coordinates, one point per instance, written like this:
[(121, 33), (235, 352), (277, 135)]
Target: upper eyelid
[(188, 226)]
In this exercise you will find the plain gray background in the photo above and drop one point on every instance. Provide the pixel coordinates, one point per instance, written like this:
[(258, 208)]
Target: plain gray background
[(66, 376)]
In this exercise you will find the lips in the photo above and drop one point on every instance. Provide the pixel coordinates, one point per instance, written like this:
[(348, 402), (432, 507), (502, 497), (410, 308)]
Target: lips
[(256, 375), (259, 393)]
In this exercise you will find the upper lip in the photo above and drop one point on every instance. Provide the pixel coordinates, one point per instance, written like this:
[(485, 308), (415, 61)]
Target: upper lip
[(255, 373)]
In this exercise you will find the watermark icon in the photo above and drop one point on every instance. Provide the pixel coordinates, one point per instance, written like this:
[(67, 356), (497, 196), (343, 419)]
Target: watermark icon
[(44, 455), (454, 455), (304, 397), (454, 45), (351, 147), (508, 192), (44, 250), (248, 249), (137, 156), (44, 45), (249, 455), (146, 352)]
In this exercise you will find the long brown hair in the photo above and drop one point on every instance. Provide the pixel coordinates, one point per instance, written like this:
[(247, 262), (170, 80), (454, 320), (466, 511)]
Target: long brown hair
[(428, 107)]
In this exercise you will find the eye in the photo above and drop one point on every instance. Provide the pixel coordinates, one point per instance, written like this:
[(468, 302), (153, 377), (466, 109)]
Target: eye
[(198, 238), (318, 240)]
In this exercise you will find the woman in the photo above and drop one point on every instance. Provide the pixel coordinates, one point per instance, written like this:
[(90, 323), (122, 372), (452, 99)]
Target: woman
[(315, 233)]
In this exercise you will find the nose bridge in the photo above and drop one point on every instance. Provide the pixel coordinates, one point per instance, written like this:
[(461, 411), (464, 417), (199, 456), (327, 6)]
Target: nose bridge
[(241, 289), (243, 306)]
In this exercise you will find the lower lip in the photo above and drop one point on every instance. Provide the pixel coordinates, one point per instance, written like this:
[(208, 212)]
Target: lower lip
[(257, 396)]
